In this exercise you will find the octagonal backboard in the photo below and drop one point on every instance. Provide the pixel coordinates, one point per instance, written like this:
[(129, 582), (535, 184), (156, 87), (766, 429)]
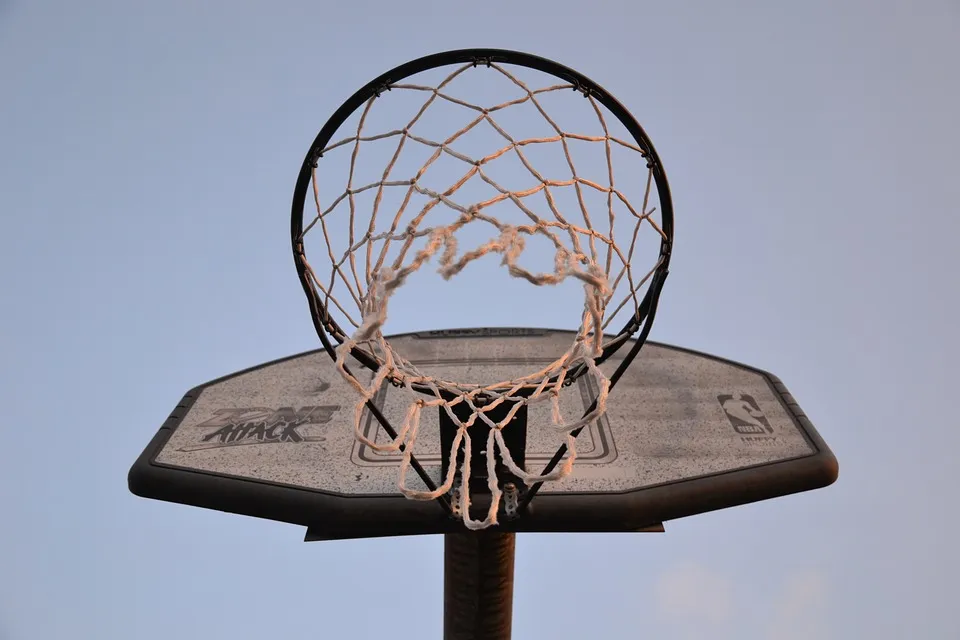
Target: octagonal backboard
[(684, 433)]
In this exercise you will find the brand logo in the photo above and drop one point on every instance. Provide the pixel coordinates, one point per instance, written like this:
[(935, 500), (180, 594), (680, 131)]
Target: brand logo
[(483, 332), (744, 414), (258, 425)]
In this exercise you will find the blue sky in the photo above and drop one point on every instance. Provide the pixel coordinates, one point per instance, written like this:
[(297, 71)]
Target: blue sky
[(149, 153)]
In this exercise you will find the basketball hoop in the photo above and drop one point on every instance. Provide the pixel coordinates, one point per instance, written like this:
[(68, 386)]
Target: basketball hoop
[(373, 251)]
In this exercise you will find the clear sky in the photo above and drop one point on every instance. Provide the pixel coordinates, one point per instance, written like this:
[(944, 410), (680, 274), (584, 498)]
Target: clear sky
[(148, 156)]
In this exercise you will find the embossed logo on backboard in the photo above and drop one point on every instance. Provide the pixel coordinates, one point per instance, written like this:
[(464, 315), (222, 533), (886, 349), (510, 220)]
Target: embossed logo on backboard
[(744, 414), (259, 425)]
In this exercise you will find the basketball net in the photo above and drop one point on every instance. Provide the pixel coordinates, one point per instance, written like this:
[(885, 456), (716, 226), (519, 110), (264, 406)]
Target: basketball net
[(583, 251)]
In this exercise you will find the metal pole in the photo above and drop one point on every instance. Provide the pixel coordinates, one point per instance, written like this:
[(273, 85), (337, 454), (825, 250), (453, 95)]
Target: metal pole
[(478, 585)]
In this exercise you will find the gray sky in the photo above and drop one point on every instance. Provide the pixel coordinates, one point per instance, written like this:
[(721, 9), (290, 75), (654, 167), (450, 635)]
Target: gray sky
[(149, 154)]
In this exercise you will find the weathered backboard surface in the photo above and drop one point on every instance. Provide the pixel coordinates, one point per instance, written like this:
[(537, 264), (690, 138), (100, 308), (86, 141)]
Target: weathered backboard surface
[(685, 433)]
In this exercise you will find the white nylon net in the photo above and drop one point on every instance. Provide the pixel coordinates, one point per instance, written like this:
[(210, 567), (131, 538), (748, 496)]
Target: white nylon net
[(379, 230)]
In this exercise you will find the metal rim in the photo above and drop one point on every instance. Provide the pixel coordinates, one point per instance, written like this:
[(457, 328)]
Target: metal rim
[(327, 327)]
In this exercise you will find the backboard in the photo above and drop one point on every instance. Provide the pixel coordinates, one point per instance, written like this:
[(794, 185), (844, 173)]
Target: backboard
[(684, 433)]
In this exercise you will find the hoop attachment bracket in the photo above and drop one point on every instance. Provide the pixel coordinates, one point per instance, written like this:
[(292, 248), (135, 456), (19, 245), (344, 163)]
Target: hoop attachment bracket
[(514, 436)]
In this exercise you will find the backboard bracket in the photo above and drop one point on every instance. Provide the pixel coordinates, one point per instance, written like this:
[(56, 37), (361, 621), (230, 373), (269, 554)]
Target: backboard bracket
[(514, 436)]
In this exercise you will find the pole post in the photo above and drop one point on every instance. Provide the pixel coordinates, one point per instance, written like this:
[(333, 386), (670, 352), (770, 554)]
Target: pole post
[(478, 585)]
